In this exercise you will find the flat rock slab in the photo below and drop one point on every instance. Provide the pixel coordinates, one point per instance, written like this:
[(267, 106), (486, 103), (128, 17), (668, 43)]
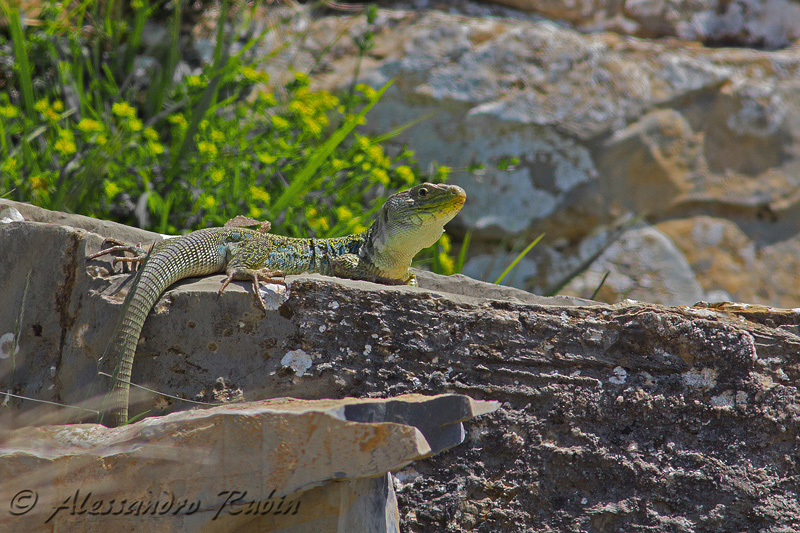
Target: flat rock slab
[(277, 465)]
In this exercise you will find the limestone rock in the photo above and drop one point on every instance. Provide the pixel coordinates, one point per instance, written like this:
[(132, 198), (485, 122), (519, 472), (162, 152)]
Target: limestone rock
[(280, 465), (631, 416), (643, 264), (759, 23)]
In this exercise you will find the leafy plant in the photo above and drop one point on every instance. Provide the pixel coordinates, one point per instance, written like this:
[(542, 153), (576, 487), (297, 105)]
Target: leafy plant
[(95, 122)]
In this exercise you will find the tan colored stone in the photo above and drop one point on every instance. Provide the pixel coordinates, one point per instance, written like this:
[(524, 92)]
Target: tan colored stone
[(255, 465), (721, 254)]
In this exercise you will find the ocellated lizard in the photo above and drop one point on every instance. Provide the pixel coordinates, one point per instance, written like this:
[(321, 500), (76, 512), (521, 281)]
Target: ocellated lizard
[(408, 222)]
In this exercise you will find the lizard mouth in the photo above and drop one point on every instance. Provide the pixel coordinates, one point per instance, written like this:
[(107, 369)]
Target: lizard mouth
[(452, 203)]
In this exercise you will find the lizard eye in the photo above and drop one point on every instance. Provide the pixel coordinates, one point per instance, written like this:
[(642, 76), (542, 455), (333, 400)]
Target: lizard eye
[(423, 192)]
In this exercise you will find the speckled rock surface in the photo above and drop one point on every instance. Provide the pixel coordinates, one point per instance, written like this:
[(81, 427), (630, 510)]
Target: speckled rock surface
[(626, 417)]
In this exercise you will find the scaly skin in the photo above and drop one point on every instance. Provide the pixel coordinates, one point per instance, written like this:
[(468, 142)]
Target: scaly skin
[(408, 222)]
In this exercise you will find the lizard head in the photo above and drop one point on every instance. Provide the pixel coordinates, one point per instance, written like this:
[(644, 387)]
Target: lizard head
[(415, 218)]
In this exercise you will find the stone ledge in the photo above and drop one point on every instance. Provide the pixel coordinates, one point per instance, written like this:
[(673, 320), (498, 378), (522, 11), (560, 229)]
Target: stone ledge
[(278, 465)]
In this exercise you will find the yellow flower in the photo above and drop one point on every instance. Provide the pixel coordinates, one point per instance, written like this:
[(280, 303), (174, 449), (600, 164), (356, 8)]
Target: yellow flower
[(376, 152), (363, 143), (38, 182), (251, 74), (203, 124), (9, 166), (178, 120), (296, 106), (343, 213), (135, 124), (266, 158), (217, 136), (260, 195), (112, 189), (320, 223), (42, 105), (101, 140), (65, 144), (207, 149), (405, 173), (447, 263), (58, 106), (194, 81), (217, 175), (366, 90), (255, 212), (443, 171), (444, 241), (8, 111), (88, 125), (268, 99), (208, 202), (381, 176), (280, 122), (123, 109), (150, 134), (302, 78), (314, 127), (155, 148)]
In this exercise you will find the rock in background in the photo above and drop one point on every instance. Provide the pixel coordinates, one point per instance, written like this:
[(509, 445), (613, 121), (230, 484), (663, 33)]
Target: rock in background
[(701, 145)]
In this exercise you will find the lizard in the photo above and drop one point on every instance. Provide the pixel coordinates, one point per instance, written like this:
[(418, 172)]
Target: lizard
[(408, 222)]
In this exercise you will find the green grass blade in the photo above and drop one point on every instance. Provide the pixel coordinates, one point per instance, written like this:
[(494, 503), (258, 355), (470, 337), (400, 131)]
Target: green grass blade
[(400, 129), (462, 254), (518, 259), (320, 155), (602, 281), (20, 55)]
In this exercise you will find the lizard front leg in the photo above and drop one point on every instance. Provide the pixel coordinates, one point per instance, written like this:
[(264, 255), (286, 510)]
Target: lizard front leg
[(254, 275)]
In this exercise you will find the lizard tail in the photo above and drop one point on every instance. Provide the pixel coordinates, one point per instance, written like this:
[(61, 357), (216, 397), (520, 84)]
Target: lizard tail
[(196, 254)]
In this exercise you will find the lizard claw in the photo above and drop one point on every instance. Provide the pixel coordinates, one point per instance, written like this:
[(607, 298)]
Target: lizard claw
[(255, 276)]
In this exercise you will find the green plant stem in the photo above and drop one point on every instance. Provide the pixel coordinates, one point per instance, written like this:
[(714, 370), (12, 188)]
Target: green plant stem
[(518, 258)]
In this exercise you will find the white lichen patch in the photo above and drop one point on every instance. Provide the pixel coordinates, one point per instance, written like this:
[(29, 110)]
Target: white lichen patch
[(741, 398), (333, 305), (297, 360), (367, 349), (619, 377), (7, 345), (705, 379), (723, 401)]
